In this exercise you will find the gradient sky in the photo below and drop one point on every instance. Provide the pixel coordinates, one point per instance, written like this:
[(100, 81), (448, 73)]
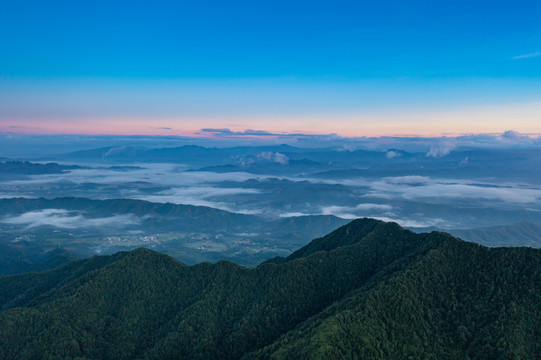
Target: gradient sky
[(348, 67)]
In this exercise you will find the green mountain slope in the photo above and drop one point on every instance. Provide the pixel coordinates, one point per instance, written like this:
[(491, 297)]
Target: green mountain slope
[(25, 256), (459, 301), (370, 288)]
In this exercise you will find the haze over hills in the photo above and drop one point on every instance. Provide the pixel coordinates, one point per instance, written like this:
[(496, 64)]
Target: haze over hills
[(79, 227), (249, 202), (370, 288), (442, 158), (522, 234), (169, 171), (254, 180), (192, 234), (446, 183)]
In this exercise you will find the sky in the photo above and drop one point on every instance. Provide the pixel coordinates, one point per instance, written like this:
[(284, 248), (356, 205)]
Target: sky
[(352, 68)]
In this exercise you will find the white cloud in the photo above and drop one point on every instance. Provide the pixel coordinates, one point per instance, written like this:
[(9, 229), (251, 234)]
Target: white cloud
[(346, 212), (525, 56), (445, 189), (353, 212), (198, 196), (413, 223), (276, 157), (392, 154), (411, 179), (293, 214), (157, 174), (441, 149), (512, 135), (65, 219)]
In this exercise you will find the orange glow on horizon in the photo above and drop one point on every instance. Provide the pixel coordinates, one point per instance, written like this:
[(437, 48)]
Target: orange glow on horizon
[(524, 118), (129, 128)]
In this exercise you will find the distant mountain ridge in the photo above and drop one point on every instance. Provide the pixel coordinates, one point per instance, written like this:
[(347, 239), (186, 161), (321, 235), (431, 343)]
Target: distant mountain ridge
[(18, 169), (339, 163), (122, 217), (194, 216), (180, 154), (191, 217), (286, 233), (368, 290), (26, 257), (522, 234)]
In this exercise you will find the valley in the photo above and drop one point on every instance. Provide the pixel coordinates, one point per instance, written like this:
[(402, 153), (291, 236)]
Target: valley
[(248, 204)]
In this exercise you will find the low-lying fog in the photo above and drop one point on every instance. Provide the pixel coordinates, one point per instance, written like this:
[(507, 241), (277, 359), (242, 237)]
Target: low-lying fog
[(450, 184)]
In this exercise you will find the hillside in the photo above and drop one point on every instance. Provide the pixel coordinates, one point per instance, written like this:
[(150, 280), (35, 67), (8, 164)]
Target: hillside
[(191, 234), (188, 216), (370, 289), (173, 216), (25, 257)]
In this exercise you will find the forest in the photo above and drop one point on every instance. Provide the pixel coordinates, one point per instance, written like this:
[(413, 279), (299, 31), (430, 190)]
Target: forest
[(369, 290)]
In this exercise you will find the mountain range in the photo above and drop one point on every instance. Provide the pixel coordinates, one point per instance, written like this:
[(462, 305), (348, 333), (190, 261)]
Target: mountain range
[(327, 162), (369, 290), (30, 228), (522, 234)]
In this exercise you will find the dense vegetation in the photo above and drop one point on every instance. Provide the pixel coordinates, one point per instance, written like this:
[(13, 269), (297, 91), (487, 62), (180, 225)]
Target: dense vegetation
[(26, 256), (369, 290)]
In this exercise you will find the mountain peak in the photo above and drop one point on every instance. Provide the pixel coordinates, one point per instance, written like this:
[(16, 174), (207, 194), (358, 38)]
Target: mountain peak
[(348, 234), (369, 288)]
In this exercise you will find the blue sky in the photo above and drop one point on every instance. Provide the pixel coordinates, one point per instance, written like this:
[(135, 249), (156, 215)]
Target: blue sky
[(272, 65)]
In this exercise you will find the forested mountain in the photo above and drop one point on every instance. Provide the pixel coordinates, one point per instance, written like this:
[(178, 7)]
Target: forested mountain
[(370, 290), (26, 256)]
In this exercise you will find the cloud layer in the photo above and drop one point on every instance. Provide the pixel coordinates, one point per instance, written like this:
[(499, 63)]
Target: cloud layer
[(65, 219), (420, 188)]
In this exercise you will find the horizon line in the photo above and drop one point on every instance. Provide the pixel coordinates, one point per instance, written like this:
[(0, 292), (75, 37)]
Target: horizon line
[(272, 135)]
